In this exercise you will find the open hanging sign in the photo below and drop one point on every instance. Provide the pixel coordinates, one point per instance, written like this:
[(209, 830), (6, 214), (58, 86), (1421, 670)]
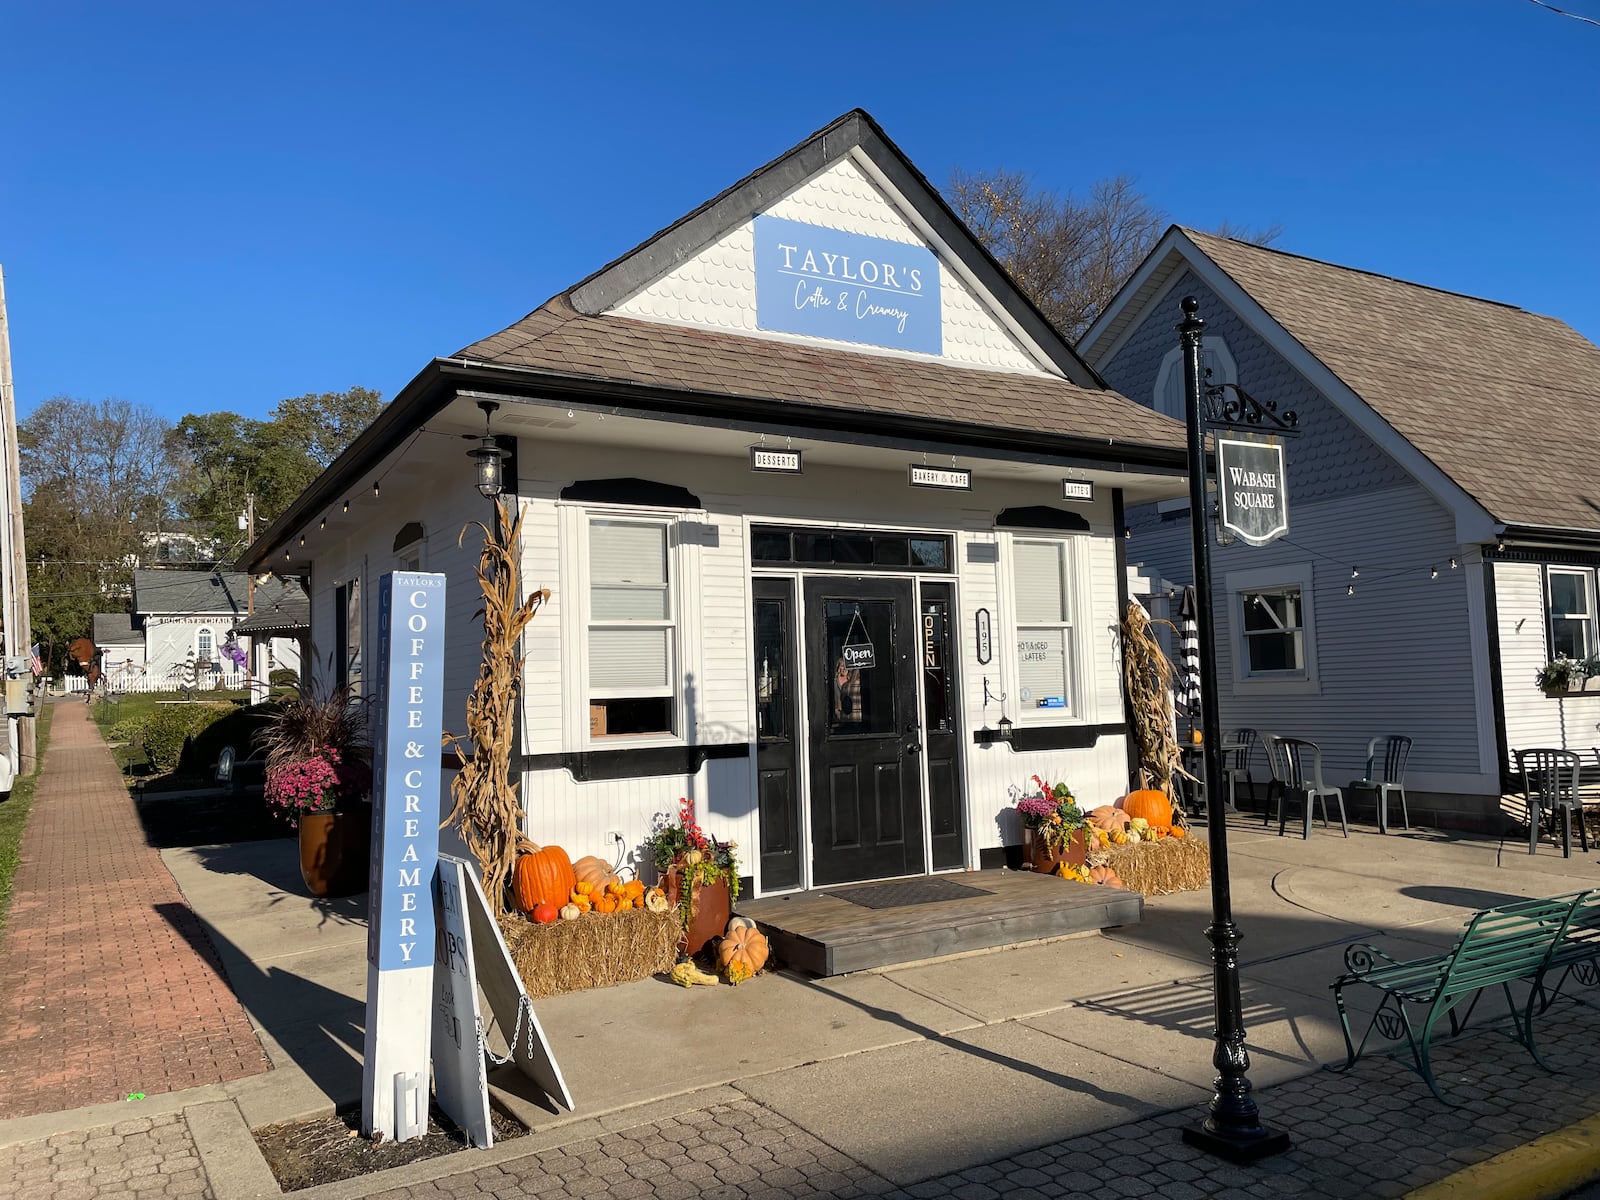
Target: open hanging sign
[(856, 655), (1252, 500)]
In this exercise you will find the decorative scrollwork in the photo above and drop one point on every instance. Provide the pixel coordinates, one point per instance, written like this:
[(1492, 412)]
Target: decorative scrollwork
[(1241, 410), (1390, 1023), (1586, 973), (1361, 958)]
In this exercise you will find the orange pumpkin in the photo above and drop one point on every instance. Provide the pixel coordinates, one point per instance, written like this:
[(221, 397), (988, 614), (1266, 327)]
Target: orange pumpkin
[(1105, 875), (1178, 831), (742, 953), (1109, 817), (605, 905), (1150, 804), (596, 872), (542, 876), (634, 889)]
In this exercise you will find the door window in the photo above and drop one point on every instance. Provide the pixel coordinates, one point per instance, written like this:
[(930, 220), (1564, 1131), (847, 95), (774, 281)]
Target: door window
[(772, 671), (860, 667)]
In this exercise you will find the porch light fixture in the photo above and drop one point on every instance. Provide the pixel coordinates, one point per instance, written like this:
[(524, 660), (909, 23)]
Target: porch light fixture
[(1005, 729), (488, 455)]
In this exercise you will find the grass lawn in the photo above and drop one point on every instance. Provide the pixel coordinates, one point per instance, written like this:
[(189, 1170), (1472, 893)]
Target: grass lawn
[(14, 814)]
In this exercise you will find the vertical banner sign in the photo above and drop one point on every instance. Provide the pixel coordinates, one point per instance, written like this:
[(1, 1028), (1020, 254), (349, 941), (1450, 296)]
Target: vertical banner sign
[(847, 286), (407, 716), (1252, 500), (460, 1078)]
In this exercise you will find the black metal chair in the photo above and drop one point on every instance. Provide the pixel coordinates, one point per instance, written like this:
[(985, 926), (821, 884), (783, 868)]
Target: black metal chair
[(1550, 786), (1301, 762), (1238, 747), (1390, 781)]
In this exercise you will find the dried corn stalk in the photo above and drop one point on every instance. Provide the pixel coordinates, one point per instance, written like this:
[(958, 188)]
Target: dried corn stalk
[(1147, 675), (485, 806)]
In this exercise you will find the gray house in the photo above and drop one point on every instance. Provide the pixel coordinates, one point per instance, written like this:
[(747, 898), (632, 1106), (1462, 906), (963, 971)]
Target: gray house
[(1444, 525)]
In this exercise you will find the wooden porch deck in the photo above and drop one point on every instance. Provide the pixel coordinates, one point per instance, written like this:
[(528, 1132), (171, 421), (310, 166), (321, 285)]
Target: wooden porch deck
[(824, 934)]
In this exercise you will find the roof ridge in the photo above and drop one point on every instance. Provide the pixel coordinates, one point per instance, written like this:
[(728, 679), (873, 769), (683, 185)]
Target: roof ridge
[(1194, 234)]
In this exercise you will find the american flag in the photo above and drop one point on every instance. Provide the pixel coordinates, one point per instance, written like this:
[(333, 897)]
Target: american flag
[(37, 661)]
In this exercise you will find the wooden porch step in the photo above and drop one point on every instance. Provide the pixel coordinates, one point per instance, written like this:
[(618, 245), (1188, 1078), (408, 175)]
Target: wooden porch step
[(821, 933)]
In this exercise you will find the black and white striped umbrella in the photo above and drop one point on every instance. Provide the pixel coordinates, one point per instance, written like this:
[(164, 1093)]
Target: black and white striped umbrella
[(1186, 688)]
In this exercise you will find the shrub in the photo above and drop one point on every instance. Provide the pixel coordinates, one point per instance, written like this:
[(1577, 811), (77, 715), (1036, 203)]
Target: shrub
[(170, 726), (125, 731), (236, 727), (284, 679)]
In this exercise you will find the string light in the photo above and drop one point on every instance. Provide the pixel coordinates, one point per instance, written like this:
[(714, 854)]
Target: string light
[(1433, 572), (374, 489), (1355, 573), (1453, 564), (1500, 545), (324, 524), (347, 506), (1351, 590)]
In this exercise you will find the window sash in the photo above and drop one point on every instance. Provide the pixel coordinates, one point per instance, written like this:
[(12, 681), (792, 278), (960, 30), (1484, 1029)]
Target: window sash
[(1042, 592), (1273, 632), (1571, 615), (632, 643)]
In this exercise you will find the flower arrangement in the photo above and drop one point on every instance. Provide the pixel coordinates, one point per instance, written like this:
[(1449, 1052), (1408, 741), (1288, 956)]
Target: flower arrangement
[(318, 784), (700, 859), (316, 752), (1563, 674), (1053, 814)]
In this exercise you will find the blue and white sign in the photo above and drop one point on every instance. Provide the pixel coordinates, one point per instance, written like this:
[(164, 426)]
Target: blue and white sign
[(407, 716), (846, 286)]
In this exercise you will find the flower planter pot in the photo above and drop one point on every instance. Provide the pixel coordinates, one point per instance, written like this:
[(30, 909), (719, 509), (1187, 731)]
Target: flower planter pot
[(1036, 851), (1589, 685), (710, 907), (335, 849)]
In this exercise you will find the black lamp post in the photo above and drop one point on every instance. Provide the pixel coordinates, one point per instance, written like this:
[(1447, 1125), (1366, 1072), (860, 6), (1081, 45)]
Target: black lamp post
[(1232, 1129)]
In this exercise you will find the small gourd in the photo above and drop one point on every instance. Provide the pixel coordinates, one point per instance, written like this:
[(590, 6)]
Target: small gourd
[(546, 914), (605, 905), (570, 912), (655, 900), (740, 923)]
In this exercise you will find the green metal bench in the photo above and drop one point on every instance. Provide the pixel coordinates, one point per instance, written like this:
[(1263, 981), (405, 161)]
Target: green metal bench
[(1516, 944)]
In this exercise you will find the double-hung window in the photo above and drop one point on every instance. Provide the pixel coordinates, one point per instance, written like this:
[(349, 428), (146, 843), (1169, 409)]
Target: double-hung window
[(1042, 577), (1273, 632), (204, 646), (1570, 596), (632, 628)]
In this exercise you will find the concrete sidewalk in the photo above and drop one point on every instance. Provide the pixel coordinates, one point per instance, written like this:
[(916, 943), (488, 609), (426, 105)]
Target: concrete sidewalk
[(1039, 1070)]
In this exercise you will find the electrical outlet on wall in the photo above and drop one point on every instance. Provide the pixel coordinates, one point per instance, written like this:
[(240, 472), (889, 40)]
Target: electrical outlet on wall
[(614, 835)]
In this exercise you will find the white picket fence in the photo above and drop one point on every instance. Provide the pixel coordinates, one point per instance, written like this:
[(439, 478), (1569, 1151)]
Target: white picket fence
[(177, 680)]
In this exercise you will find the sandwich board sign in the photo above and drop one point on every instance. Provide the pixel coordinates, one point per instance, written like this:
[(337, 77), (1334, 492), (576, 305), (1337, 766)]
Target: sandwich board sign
[(509, 1003), (1252, 498), (405, 852), (460, 1079)]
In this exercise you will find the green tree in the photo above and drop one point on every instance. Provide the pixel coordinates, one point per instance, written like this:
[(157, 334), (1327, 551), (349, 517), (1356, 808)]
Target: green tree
[(96, 476), (228, 457)]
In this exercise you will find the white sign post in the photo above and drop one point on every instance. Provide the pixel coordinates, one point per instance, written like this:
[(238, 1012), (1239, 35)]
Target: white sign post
[(459, 1077), (405, 853)]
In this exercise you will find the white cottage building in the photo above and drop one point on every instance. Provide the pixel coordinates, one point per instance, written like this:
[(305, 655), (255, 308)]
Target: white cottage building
[(821, 500)]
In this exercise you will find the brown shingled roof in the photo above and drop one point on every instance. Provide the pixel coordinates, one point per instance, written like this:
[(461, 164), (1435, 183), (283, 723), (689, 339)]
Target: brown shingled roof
[(557, 338), (1504, 401)]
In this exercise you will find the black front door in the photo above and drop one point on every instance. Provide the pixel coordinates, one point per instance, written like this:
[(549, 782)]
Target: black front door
[(865, 744), (777, 758)]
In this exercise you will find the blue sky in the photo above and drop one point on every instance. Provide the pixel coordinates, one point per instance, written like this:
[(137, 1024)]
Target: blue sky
[(213, 206)]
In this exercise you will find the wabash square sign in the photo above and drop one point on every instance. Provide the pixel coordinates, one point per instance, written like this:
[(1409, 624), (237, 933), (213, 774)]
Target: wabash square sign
[(1252, 501)]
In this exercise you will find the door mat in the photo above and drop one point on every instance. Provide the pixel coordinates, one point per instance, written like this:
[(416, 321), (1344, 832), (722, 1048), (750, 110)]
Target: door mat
[(908, 891)]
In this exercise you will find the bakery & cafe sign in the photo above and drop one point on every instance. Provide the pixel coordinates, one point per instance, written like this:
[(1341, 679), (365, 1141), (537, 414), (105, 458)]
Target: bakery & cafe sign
[(1251, 499)]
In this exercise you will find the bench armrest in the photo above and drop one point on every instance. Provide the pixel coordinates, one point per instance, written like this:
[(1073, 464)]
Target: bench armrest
[(1360, 958)]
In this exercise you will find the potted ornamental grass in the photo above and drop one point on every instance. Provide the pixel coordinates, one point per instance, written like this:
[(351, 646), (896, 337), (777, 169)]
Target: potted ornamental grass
[(1052, 827), (699, 874), (319, 778)]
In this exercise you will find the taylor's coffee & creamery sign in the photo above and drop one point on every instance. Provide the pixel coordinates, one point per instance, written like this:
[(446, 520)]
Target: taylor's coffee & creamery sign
[(847, 286), (1251, 497), (408, 714)]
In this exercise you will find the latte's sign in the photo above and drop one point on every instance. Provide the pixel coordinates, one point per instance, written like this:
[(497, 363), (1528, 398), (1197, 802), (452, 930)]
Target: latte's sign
[(847, 286), (1252, 500)]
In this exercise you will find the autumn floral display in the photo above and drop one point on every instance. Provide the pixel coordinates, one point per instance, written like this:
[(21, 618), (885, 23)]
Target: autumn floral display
[(317, 784), (701, 859), (1053, 814)]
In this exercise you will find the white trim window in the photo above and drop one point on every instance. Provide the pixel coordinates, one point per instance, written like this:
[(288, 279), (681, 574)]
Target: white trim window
[(1569, 605), (1042, 588), (1271, 614), (1215, 356), (631, 642), (204, 645)]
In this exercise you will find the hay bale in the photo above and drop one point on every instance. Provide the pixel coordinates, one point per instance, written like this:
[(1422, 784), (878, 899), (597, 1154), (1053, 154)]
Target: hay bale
[(1159, 868), (596, 950)]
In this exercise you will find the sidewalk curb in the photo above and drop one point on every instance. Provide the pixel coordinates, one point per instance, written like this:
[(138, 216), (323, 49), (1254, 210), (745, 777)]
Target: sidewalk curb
[(233, 1162), (1544, 1169)]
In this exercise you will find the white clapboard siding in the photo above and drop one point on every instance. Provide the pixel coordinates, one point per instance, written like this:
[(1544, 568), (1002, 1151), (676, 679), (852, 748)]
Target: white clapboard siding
[(1533, 719)]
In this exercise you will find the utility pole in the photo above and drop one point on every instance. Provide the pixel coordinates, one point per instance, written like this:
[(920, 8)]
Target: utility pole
[(13, 546)]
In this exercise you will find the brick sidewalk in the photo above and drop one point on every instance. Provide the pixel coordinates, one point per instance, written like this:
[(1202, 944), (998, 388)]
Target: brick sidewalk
[(108, 984)]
